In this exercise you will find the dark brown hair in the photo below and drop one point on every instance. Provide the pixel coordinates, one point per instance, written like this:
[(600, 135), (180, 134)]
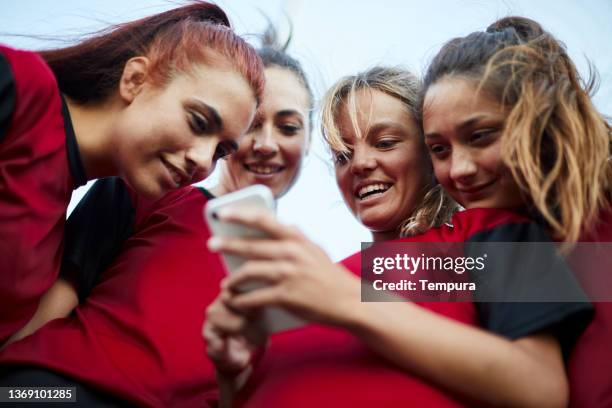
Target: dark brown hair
[(272, 53)]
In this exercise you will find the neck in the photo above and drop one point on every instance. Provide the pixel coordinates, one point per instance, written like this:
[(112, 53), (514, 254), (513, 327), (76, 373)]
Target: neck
[(93, 132), (226, 182), (218, 190), (381, 236)]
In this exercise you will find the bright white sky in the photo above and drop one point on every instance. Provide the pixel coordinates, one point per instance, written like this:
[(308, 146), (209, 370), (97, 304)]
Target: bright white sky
[(333, 39)]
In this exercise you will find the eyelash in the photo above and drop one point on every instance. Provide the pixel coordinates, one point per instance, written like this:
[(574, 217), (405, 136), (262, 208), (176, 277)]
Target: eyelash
[(477, 138), (386, 143), (341, 158), (198, 122), (439, 153), (482, 135), (289, 129)]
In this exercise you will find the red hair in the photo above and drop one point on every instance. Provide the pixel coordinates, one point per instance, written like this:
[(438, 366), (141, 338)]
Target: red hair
[(174, 41)]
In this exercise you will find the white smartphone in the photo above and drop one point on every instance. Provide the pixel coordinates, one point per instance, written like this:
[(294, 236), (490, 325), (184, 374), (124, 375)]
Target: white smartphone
[(258, 196), (273, 319)]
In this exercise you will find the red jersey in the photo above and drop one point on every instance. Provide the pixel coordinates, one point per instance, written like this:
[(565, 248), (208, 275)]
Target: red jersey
[(139, 333), (323, 366), (590, 365), (39, 168)]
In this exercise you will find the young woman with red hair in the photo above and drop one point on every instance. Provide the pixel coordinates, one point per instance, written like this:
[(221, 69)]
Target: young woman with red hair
[(155, 101)]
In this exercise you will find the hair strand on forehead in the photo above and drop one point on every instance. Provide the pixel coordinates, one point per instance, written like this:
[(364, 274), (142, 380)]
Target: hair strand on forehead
[(437, 207), (174, 40)]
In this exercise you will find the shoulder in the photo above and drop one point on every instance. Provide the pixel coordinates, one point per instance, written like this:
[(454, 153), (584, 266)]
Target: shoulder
[(30, 72), (471, 222), (352, 263), (184, 202)]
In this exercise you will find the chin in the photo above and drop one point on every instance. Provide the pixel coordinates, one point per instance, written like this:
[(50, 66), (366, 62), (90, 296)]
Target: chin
[(149, 190), (376, 224)]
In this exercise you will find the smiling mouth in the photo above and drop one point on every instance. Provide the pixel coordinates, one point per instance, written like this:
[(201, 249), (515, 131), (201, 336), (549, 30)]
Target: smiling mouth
[(474, 191), (263, 169), (373, 190), (175, 174)]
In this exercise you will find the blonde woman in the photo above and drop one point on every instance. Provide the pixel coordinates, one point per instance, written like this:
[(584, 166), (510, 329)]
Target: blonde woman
[(386, 179)]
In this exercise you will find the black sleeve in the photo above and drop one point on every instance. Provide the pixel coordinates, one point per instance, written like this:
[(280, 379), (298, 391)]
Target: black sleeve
[(526, 286), (95, 232), (7, 96)]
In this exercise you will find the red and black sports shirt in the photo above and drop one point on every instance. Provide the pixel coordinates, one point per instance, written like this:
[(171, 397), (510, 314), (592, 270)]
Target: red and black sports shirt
[(39, 168)]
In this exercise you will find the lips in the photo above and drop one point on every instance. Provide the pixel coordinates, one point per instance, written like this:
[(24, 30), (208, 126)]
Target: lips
[(263, 169), (476, 192), (366, 190), (178, 175)]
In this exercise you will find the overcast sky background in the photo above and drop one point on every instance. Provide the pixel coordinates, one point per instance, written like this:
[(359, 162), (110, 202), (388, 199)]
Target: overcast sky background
[(333, 39)]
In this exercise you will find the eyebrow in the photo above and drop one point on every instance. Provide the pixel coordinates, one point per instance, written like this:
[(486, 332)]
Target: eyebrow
[(385, 125), (289, 112), (217, 122), (466, 124), (379, 127)]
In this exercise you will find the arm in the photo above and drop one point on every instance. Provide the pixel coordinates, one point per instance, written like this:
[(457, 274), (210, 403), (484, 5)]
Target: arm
[(94, 234), (486, 368), (58, 302)]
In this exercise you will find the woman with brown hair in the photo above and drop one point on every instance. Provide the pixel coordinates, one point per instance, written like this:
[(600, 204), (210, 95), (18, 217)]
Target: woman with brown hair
[(510, 124), (155, 101)]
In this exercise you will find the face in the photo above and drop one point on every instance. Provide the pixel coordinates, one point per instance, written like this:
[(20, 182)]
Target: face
[(271, 153), (169, 137), (387, 171), (463, 133)]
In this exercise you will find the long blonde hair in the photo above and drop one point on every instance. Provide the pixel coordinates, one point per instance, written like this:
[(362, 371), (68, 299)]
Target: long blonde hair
[(436, 207), (555, 143)]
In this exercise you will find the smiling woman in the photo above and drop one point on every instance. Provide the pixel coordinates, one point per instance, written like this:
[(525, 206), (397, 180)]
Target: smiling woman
[(385, 173), (135, 252), (272, 151), (510, 124), (187, 131), (381, 163), (463, 132), (155, 101)]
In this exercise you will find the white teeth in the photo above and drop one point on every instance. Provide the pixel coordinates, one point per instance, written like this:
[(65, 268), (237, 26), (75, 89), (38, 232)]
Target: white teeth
[(263, 169), (379, 188)]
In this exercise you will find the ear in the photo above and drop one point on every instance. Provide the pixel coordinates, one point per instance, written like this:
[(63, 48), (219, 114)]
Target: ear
[(133, 78)]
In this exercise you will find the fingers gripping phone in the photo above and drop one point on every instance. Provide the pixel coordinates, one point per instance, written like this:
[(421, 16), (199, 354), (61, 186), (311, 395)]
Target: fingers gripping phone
[(273, 319)]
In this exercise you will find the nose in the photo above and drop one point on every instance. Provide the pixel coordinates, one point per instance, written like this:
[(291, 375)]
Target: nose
[(264, 142), (463, 166), (363, 161), (200, 158)]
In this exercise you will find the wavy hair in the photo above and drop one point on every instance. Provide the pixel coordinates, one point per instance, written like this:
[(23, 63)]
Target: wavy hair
[(555, 143), (437, 207)]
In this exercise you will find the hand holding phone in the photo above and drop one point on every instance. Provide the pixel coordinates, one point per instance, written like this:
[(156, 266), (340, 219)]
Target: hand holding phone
[(273, 319)]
